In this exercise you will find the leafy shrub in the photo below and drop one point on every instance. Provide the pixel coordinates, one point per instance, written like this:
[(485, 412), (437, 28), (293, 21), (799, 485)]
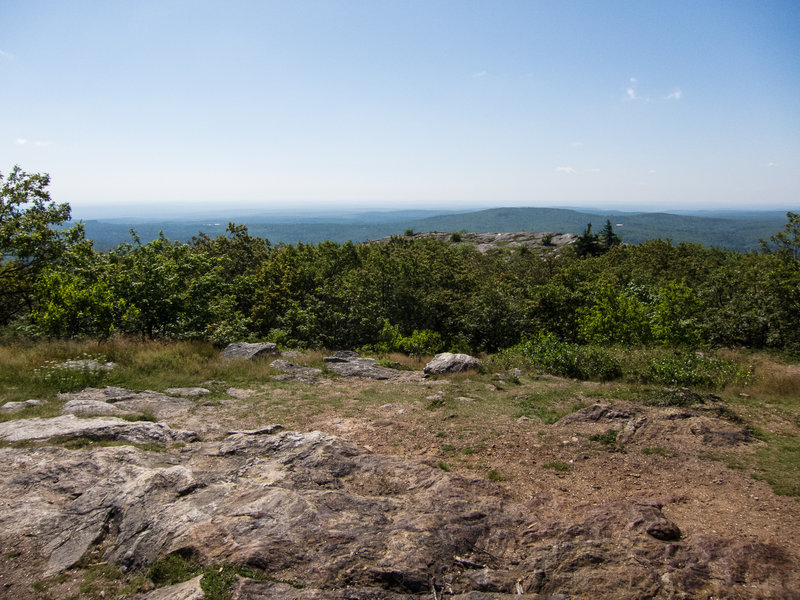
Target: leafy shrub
[(683, 368), (423, 343), (551, 355)]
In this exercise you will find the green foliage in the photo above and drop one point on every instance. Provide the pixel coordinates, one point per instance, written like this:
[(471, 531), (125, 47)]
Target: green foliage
[(412, 294), (787, 241), (423, 343), (551, 355), (30, 239), (683, 368)]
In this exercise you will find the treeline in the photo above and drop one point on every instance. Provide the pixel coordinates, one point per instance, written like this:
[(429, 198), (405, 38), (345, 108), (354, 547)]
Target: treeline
[(417, 295)]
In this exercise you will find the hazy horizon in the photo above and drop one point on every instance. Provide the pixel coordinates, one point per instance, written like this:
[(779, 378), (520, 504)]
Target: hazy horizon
[(354, 105)]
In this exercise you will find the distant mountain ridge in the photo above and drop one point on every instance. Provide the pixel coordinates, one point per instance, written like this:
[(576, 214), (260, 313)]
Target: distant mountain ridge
[(740, 234)]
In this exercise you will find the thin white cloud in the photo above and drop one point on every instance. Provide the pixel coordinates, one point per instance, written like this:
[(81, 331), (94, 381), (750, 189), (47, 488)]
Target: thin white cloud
[(772, 164), (43, 144), (480, 74), (576, 145), (21, 141), (676, 95), (569, 170), (631, 94), (651, 171), (633, 80), (594, 170), (4, 54)]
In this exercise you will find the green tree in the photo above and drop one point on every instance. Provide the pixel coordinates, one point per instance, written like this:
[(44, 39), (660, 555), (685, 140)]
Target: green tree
[(588, 243), (30, 238), (609, 239), (788, 240)]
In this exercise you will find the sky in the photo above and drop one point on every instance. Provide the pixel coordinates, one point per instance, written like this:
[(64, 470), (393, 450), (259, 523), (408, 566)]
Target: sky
[(139, 107)]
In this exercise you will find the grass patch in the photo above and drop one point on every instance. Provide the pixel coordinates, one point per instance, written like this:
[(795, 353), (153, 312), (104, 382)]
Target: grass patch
[(215, 583), (661, 451), (779, 464), (444, 466), (495, 475), (85, 443), (559, 466), (548, 407)]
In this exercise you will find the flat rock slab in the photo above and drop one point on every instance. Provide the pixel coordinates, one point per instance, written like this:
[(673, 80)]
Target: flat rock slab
[(289, 367), (349, 364), (13, 407), (83, 407), (246, 351), (187, 392), (447, 362), (161, 406), (100, 428)]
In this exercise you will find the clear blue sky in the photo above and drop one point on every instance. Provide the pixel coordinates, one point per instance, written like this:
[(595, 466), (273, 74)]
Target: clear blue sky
[(402, 103)]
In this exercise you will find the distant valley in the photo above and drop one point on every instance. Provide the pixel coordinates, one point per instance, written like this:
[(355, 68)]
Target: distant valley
[(731, 230)]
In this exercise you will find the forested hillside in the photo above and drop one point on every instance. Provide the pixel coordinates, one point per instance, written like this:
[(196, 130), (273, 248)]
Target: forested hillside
[(732, 233), (420, 294)]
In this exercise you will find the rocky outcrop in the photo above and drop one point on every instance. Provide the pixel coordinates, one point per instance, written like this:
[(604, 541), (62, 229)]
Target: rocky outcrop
[(546, 242), (247, 351), (340, 522), (448, 362), (349, 364)]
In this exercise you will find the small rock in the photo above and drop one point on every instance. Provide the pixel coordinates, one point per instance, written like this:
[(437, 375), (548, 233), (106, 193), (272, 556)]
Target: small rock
[(464, 399)]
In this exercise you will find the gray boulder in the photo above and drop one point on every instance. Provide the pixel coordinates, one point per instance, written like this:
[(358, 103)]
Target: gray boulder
[(448, 362), (247, 351)]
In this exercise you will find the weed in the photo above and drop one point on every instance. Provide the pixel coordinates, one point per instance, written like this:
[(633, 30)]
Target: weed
[(468, 450), (558, 466), (448, 447), (609, 438), (443, 466), (661, 451), (494, 475)]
